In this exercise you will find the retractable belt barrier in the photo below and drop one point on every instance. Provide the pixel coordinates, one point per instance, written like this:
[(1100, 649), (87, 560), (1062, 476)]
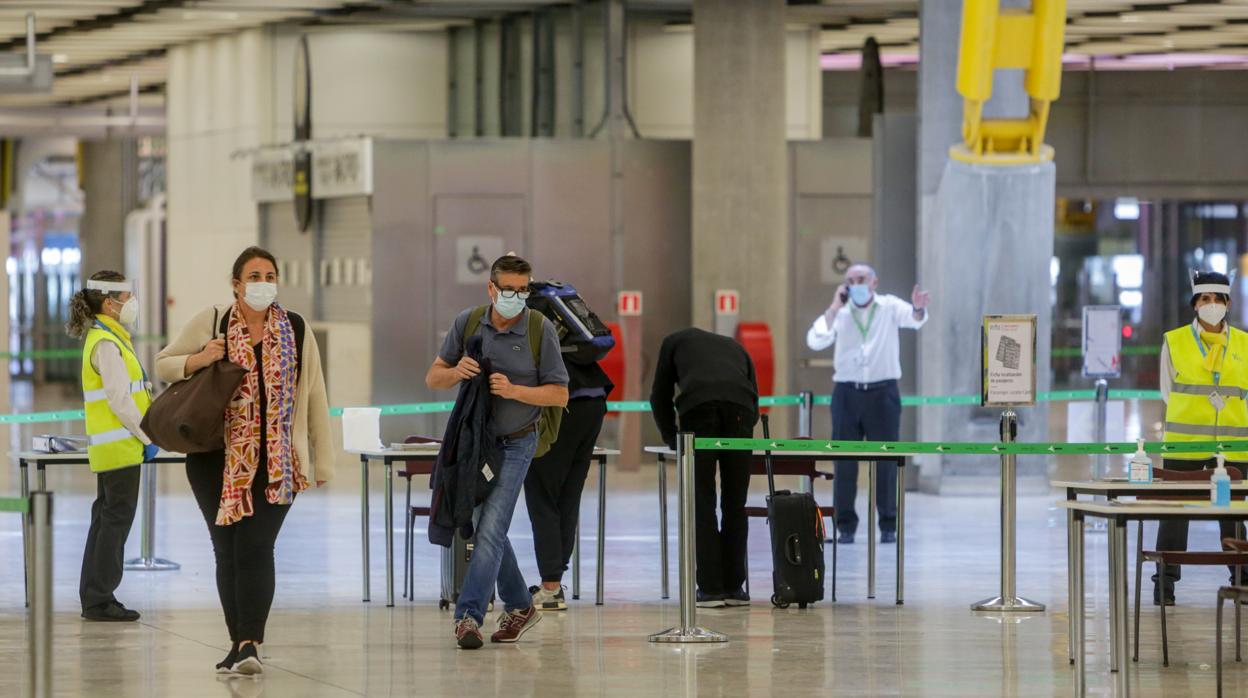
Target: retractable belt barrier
[(644, 405), (964, 447)]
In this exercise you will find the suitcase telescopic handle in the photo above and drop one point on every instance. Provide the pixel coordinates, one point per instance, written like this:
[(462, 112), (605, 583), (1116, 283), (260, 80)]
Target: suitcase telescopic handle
[(793, 549), (771, 478)]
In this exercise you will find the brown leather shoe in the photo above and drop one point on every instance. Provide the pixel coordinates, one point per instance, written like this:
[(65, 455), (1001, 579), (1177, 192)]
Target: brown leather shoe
[(513, 624)]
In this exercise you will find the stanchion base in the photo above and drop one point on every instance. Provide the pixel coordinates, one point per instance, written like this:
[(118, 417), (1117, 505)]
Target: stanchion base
[(689, 635), (154, 564), (1015, 605)]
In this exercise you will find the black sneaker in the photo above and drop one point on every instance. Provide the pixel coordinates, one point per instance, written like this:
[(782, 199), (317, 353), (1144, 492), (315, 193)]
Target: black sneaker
[(111, 612), (226, 666), (1157, 596), (710, 600), (737, 598), (248, 663), (888, 537), (845, 538)]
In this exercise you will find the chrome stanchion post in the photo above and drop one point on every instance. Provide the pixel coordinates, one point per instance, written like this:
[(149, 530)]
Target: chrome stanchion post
[(576, 564), (1100, 462), (147, 559), (663, 564), (688, 630), (805, 415), (1008, 600), (40, 626)]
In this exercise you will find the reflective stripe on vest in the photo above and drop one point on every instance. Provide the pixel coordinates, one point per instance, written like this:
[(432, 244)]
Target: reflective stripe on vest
[(110, 437), (1190, 414), (138, 386)]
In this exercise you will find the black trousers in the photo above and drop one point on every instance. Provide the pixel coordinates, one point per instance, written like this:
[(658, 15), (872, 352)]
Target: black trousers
[(721, 545), (1172, 535), (112, 514), (552, 489), (244, 550), (873, 414)]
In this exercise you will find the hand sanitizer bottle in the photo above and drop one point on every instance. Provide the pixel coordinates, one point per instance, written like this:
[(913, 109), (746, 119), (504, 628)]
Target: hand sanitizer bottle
[(1141, 468), (1220, 485)]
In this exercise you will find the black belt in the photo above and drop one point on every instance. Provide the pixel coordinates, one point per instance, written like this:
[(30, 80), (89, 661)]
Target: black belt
[(523, 432), (869, 386)]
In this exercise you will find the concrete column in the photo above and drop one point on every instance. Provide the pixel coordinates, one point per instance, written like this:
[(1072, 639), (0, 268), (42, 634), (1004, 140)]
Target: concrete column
[(110, 185), (740, 177), (1002, 217)]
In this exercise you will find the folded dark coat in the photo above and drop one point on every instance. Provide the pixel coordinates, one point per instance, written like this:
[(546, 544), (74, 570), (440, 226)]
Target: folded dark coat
[(468, 462)]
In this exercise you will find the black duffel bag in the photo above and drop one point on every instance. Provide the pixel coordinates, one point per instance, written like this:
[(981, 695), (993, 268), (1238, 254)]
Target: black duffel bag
[(189, 417)]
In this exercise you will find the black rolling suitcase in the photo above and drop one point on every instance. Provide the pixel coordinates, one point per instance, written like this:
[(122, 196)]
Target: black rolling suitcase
[(797, 535)]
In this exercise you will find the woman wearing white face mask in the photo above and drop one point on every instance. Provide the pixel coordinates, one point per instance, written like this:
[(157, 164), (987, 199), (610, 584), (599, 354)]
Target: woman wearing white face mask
[(1204, 379), (278, 441), (116, 395)]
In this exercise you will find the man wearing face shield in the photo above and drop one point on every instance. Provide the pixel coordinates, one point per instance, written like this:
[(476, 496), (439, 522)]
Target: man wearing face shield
[(1204, 376), (116, 395), (866, 403)]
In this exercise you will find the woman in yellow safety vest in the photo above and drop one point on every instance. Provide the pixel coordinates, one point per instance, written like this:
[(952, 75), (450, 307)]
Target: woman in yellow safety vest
[(1204, 382), (116, 395)]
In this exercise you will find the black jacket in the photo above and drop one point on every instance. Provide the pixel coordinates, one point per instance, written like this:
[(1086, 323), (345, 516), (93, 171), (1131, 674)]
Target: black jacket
[(469, 447), (707, 368)]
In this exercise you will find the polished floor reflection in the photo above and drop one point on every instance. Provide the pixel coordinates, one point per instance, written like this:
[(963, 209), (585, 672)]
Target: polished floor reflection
[(324, 642)]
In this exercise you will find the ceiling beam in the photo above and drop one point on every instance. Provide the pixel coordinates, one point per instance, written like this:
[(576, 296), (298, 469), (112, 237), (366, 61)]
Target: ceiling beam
[(104, 21)]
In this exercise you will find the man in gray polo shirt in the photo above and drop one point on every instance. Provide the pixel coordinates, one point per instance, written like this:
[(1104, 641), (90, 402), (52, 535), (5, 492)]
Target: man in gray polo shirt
[(521, 388)]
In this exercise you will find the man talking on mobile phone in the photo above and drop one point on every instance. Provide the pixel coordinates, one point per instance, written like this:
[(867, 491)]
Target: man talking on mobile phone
[(866, 402)]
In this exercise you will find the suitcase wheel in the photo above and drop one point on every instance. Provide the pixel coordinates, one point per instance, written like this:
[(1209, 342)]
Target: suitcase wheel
[(443, 604), (802, 605), (775, 601)]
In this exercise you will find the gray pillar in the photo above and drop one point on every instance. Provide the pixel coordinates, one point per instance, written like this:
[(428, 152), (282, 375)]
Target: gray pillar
[(1002, 217), (110, 185), (740, 176)]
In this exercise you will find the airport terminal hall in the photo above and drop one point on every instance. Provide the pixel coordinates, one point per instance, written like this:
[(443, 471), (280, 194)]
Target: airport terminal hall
[(623, 348)]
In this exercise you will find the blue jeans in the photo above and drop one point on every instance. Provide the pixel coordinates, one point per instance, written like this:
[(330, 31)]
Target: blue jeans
[(493, 560)]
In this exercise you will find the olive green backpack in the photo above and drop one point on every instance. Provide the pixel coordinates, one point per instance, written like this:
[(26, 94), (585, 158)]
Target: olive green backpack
[(552, 417)]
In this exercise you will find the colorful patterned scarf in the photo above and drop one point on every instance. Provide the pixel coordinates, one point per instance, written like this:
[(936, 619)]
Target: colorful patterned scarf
[(242, 416)]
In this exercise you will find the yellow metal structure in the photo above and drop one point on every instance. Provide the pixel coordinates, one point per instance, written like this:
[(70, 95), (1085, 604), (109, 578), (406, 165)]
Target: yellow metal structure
[(993, 39)]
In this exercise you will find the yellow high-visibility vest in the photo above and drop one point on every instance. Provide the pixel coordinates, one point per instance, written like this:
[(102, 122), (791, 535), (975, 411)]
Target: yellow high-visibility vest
[(1190, 413), (110, 445)]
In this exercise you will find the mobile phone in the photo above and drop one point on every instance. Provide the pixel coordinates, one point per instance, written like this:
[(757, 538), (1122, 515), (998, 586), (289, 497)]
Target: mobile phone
[(844, 296)]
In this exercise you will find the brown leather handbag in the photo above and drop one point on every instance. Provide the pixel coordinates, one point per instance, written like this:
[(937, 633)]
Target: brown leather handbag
[(189, 416)]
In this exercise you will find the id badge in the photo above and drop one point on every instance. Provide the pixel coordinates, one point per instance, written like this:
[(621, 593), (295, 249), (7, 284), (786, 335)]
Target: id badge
[(1217, 401)]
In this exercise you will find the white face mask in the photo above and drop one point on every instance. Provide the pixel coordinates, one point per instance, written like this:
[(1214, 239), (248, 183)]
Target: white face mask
[(1212, 313), (260, 295), (129, 311)]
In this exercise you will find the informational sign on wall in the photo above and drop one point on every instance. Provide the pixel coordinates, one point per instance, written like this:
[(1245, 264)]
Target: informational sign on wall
[(473, 256), (1008, 361), (628, 304), (1102, 341)]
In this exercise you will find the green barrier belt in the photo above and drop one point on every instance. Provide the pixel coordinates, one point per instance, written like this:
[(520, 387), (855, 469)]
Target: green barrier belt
[(644, 406), (964, 448), (1076, 352), (42, 417), (72, 353), (17, 505)]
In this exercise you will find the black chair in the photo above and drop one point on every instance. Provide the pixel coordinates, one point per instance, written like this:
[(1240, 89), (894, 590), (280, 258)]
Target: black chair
[(410, 469)]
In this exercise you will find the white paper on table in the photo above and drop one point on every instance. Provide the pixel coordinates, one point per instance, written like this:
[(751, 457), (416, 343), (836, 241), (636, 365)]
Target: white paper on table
[(361, 429)]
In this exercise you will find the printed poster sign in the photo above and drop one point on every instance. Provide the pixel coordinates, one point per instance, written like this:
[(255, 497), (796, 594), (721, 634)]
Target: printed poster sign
[(1008, 361), (1102, 341)]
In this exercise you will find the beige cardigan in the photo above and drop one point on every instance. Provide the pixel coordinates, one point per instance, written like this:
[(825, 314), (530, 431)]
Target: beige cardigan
[(311, 434)]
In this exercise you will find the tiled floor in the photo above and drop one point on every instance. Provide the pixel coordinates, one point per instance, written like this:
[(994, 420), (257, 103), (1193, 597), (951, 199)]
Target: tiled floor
[(324, 642)]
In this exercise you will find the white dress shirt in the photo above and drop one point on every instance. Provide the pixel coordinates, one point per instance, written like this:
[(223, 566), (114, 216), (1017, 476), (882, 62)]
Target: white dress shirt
[(867, 357)]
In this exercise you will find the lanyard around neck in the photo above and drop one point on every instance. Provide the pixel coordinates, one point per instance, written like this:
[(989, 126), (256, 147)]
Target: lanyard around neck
[(864, 329), (1217, 375), (125, 344)]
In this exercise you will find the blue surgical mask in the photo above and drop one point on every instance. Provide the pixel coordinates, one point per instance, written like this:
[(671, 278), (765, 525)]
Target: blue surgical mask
[(860, 294), (509, 307)]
